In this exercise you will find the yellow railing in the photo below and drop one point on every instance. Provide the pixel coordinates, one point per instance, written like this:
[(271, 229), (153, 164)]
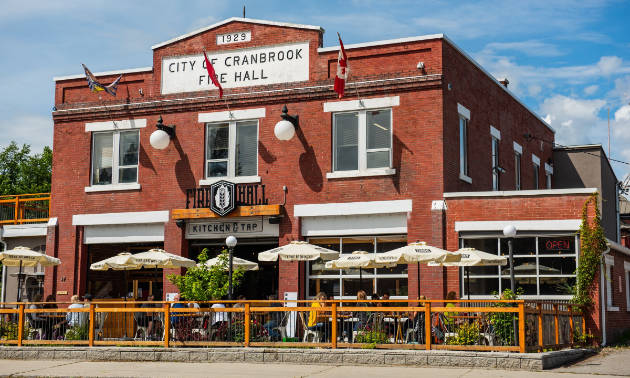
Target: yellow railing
[(481, 325), (25, 208)]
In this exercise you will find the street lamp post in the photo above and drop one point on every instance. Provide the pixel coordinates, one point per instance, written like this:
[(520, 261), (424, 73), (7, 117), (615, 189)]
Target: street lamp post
[(230, 241), (510, 231)]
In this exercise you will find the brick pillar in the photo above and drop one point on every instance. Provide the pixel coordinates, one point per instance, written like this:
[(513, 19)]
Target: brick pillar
[(81, 261), (52, 249), (433, 280), (174, 242), (290, 273)]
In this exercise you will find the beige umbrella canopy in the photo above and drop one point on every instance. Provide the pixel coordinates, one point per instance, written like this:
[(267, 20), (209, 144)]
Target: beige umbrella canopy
[(358, 259), (473, 257), (24, 256), (121, 261), (158, 258), (298, 251), (236, 262)]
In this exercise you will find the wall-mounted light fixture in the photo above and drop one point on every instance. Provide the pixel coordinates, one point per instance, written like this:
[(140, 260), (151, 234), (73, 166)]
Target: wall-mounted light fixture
[(285, 129), (162, 136)]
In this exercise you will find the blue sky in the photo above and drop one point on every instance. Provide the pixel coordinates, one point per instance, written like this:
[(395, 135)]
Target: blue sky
[(568, 60)]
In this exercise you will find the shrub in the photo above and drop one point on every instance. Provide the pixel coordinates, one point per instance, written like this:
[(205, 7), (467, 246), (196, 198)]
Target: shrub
[(237, 331), (465, 334), (368, 335)]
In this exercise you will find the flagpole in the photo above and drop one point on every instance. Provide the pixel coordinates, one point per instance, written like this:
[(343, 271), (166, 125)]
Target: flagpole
[(361, 104), (224, 100), (108, 113)]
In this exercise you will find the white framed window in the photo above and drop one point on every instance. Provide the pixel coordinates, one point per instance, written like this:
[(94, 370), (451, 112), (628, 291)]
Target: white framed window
[(548, 178), (517, 170), (115, 157), (345, 283), (536, 175), (463, 146), (495, 164), (362, 140), (232, 150), (610, 262)]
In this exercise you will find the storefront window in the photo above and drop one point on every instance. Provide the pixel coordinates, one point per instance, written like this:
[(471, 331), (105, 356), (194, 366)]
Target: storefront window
[(345, 283), (543, 266)]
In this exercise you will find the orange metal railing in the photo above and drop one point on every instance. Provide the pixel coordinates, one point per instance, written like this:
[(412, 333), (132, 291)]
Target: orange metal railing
[(25, 208)]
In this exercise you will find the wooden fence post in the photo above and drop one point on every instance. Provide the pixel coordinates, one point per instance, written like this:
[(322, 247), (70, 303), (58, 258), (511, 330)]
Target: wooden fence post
[(571, 325), (167, 324), (427, 323), (17, 209), (333, 334), (247, 324), (521, 327), (557, 324), (92, 325), (541, 327), (20, 335)]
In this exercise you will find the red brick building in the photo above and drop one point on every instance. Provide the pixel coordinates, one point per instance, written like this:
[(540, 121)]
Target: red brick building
[(434, 149)]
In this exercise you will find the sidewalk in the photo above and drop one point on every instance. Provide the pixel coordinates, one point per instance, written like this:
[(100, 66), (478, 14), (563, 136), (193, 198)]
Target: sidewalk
[(50, 368)]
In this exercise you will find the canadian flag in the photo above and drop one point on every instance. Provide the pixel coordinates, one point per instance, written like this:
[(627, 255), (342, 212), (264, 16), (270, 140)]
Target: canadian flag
[(212, 74), (343, 70)]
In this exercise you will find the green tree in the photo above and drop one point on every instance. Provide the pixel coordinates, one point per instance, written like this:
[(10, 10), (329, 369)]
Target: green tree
[(201, 283), (23, 173)]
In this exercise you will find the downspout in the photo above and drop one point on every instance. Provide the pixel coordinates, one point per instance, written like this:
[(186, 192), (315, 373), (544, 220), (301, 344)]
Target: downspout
[(4, 269), (603, 298)]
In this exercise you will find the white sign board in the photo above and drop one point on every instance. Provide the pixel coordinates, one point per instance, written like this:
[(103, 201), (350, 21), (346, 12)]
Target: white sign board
[(237, 68), (246, 227), (224, 39)]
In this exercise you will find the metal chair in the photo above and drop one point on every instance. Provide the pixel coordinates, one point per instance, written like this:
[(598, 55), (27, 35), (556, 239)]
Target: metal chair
[(310, 336)]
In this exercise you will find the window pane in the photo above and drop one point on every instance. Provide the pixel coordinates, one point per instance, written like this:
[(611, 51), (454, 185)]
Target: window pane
[(217, 169), (495, 164), (358, 244), (103, 159), (557, 265), (481, 286), (520, 246), (555, 285), (389, 243), (317, 268), (393, 286), (129, 143), (330, 287), (559, 245), (379, 129), (218, 142), (463, 166), (491, 246), (127, 175), (246, 148), (351, 286), (527, 283), (523, 266), (378, 159), (517, 162), (347, 142), (536, 176)]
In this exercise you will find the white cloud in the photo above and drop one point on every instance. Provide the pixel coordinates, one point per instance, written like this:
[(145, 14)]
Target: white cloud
[(534, 89), (591, 89), (202, 23), (529, 48), (609, 64), (32, 129), (576, 121)]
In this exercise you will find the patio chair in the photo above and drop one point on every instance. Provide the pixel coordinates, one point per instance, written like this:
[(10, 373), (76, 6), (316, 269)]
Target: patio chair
[(282, 327), (35, 333), (310, 336), (139, 329), (100, 324)]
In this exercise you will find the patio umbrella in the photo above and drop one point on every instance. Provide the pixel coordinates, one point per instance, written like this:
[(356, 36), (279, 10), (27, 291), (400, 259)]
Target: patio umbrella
[(419, 253), (24, 256), (472, 257), (298, 251), (236, 262), (159, 258), (358, 259), (122, 261)]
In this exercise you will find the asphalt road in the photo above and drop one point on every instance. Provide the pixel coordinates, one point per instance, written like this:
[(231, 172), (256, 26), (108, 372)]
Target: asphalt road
[(610, 363)]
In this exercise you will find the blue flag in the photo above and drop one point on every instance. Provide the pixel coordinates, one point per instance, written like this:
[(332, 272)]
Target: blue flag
[(95, 86)]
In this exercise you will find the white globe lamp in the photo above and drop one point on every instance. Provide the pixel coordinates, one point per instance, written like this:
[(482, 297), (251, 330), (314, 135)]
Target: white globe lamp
[(230, 241), (509, 231), (159, 139), (284, 130)]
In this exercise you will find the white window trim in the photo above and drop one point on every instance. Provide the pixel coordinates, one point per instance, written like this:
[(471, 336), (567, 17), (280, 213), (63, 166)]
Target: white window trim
[(115, 186), (465, 178), (519, 168), (368, 103), (610, 262), (235, 115), (231, 160), (125, 124), (518, 148), (548, 168), (536, 160), (463, 112), (495, 133), (626, 268), (363, 171)]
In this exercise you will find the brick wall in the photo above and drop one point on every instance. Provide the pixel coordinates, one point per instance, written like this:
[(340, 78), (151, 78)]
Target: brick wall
[(617, 321)]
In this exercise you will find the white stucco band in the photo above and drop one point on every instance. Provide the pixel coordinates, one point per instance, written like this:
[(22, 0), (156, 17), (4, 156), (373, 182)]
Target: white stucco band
[(126, 124), (367, 103), (124, 233), (537, 225), (234, 116), (13, 231), (120, 218), (352, 208)]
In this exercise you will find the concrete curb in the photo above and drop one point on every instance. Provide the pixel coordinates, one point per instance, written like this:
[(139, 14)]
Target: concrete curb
[(433, 358)]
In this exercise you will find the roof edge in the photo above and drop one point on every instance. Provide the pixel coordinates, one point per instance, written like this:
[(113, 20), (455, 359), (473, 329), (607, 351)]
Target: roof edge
[(106, 73), (617, 247), (380, 43), (521, 193), (241, 19)]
